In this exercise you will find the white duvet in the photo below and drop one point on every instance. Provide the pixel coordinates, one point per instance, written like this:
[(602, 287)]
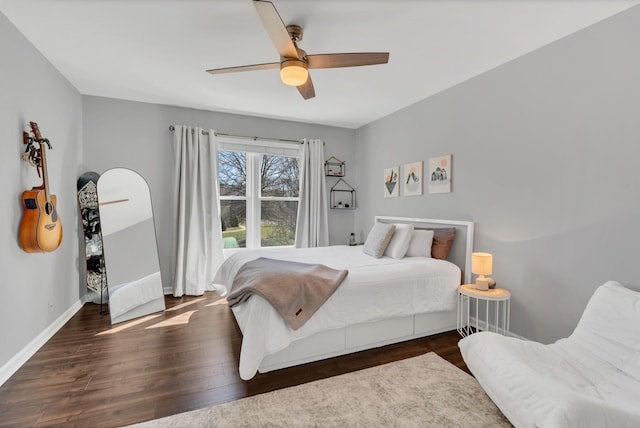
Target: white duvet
[(374, 289)]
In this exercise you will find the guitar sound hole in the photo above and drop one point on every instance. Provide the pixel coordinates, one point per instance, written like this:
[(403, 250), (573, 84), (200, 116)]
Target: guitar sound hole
[(50, 210)]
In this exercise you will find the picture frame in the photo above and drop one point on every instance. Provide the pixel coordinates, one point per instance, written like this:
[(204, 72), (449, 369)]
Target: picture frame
[(412, 179), (392, 182), (440, 174)]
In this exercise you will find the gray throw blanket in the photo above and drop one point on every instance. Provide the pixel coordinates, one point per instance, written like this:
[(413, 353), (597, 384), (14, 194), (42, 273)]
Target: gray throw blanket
[(295, 290)]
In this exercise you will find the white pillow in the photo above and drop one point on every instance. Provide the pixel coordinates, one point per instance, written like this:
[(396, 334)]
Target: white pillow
[(420, 245), (378, 239), (400, 240)]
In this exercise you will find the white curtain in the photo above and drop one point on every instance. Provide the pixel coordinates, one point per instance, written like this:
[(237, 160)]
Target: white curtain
[(312, 228), (198, 232)]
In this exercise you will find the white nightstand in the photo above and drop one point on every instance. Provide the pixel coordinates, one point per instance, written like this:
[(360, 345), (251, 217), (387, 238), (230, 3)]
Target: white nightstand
[(501, 299)]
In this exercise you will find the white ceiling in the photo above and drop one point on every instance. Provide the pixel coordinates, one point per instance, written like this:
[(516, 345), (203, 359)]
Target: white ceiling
[(157, 51)]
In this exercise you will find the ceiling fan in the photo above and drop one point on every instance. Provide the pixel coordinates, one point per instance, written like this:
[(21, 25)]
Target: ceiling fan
[(294, 62)]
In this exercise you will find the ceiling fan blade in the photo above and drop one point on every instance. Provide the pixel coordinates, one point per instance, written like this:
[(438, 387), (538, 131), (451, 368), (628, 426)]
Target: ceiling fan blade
[(347, 59), (306, 90), (252, 67), (276, 29)]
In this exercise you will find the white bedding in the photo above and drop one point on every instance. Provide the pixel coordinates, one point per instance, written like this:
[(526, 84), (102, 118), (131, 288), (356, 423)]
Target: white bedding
[(374, 289)]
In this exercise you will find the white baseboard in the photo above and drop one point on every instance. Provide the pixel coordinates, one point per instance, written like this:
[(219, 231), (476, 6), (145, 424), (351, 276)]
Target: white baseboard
[(12, 366)]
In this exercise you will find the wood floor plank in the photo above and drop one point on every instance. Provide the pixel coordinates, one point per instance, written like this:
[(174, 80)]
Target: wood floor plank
[(91, 373)]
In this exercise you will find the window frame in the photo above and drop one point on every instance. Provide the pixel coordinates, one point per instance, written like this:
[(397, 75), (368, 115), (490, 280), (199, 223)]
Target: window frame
[(254, 150)]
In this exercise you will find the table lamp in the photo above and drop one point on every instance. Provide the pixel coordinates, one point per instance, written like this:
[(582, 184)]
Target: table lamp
[(481, 265)]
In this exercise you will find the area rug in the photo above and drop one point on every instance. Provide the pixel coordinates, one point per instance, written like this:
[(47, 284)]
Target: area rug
[(424, 391)]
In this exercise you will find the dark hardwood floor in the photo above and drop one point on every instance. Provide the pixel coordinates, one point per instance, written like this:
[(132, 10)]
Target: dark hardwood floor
[(92, 374)]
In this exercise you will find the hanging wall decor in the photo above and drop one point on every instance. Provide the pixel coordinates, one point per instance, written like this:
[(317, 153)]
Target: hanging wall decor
[(440, 174), (412, 179), (40, 228), (391, 182), (334, 167), (343, 195)]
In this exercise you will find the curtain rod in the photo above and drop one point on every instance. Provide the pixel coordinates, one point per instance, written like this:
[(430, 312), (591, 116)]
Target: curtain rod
[(172, 128)]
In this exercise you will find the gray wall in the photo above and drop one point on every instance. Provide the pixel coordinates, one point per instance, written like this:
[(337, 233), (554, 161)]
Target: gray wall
[(545, 161), (135, 135), (36, 289)]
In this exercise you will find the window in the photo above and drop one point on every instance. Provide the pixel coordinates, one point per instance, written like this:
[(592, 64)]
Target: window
[(258, 196)]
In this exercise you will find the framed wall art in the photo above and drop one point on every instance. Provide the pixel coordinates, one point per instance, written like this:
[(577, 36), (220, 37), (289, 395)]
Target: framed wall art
[(440, 174), (412, 179), (391, 182)]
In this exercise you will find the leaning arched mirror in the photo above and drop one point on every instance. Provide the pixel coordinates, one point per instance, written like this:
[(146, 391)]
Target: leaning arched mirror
[(129, 245)]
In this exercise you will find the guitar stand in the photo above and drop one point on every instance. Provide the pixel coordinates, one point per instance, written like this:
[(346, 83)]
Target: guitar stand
[(32, 152)]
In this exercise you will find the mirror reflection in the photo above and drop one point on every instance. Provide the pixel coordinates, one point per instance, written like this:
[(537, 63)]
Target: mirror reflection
[(129, 245)]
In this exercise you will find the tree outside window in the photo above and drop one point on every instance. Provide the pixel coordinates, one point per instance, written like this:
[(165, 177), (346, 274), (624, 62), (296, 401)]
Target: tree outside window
[(258, 198)]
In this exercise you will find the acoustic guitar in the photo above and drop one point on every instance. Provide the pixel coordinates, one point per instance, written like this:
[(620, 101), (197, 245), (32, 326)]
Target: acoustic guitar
[(41, 228)]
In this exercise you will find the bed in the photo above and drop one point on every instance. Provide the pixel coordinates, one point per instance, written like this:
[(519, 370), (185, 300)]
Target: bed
[(381, 301)]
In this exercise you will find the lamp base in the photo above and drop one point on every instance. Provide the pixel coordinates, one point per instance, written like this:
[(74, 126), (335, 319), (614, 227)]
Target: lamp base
[(482, 284)]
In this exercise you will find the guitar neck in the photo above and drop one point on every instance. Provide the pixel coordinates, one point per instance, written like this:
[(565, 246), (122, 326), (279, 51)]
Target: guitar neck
[(45, 175), (43, 158)]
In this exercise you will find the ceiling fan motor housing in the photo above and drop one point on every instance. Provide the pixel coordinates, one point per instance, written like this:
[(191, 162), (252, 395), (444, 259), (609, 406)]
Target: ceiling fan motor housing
[(295, 32)]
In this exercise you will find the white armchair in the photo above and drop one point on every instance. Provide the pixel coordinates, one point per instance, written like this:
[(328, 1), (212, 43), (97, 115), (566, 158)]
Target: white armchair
[(590, 379)]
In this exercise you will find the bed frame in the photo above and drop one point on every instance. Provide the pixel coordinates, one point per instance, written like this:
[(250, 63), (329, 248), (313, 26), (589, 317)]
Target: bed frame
[(359, 337)]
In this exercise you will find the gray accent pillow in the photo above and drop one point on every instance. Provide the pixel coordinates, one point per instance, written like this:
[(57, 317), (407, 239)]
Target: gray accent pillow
[(378, 239)]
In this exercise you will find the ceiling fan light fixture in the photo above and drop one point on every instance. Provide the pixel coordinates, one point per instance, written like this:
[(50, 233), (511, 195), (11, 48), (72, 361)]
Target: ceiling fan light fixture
[(294, 62), (293, 72)]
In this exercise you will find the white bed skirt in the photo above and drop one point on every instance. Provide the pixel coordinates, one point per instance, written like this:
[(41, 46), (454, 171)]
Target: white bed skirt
[(359, 337)]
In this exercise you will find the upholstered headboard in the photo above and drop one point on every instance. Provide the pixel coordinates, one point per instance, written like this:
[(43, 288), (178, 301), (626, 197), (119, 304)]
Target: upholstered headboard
[(462, 247)]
